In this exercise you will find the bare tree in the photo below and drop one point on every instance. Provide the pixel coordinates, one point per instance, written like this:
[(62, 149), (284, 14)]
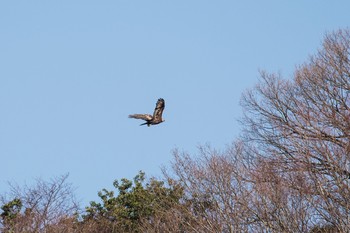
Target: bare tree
[(230, 191), (292, 172), (280, 200), (302, 127), (46, 205), (216, 192)]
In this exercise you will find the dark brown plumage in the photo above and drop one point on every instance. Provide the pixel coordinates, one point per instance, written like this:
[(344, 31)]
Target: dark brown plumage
[(157, 114)]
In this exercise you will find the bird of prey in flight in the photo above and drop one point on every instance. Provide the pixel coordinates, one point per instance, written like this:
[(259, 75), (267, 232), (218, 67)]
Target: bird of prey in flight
[(157, 114)]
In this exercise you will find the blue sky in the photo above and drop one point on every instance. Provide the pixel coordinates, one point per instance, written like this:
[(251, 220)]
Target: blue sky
[(72, 71)]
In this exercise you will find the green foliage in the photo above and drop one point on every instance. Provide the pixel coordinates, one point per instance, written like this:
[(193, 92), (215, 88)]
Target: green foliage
[(11, 211), (136, 201)]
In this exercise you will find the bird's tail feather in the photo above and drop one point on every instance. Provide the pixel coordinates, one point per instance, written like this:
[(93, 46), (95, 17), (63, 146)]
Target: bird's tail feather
[(145, 124)]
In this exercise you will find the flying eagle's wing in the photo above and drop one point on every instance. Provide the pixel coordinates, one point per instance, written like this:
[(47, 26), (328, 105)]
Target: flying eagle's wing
[(158, 111), (146, 117)]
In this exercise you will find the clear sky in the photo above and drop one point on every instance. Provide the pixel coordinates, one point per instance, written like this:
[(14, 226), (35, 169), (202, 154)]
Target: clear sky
[(72, 71)]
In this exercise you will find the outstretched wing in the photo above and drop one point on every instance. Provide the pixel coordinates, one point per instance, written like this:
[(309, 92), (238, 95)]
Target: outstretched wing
[(146, 117), (158, 111)]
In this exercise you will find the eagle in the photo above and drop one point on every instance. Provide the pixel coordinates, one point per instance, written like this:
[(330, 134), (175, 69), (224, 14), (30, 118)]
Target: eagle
[(157, 114)]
